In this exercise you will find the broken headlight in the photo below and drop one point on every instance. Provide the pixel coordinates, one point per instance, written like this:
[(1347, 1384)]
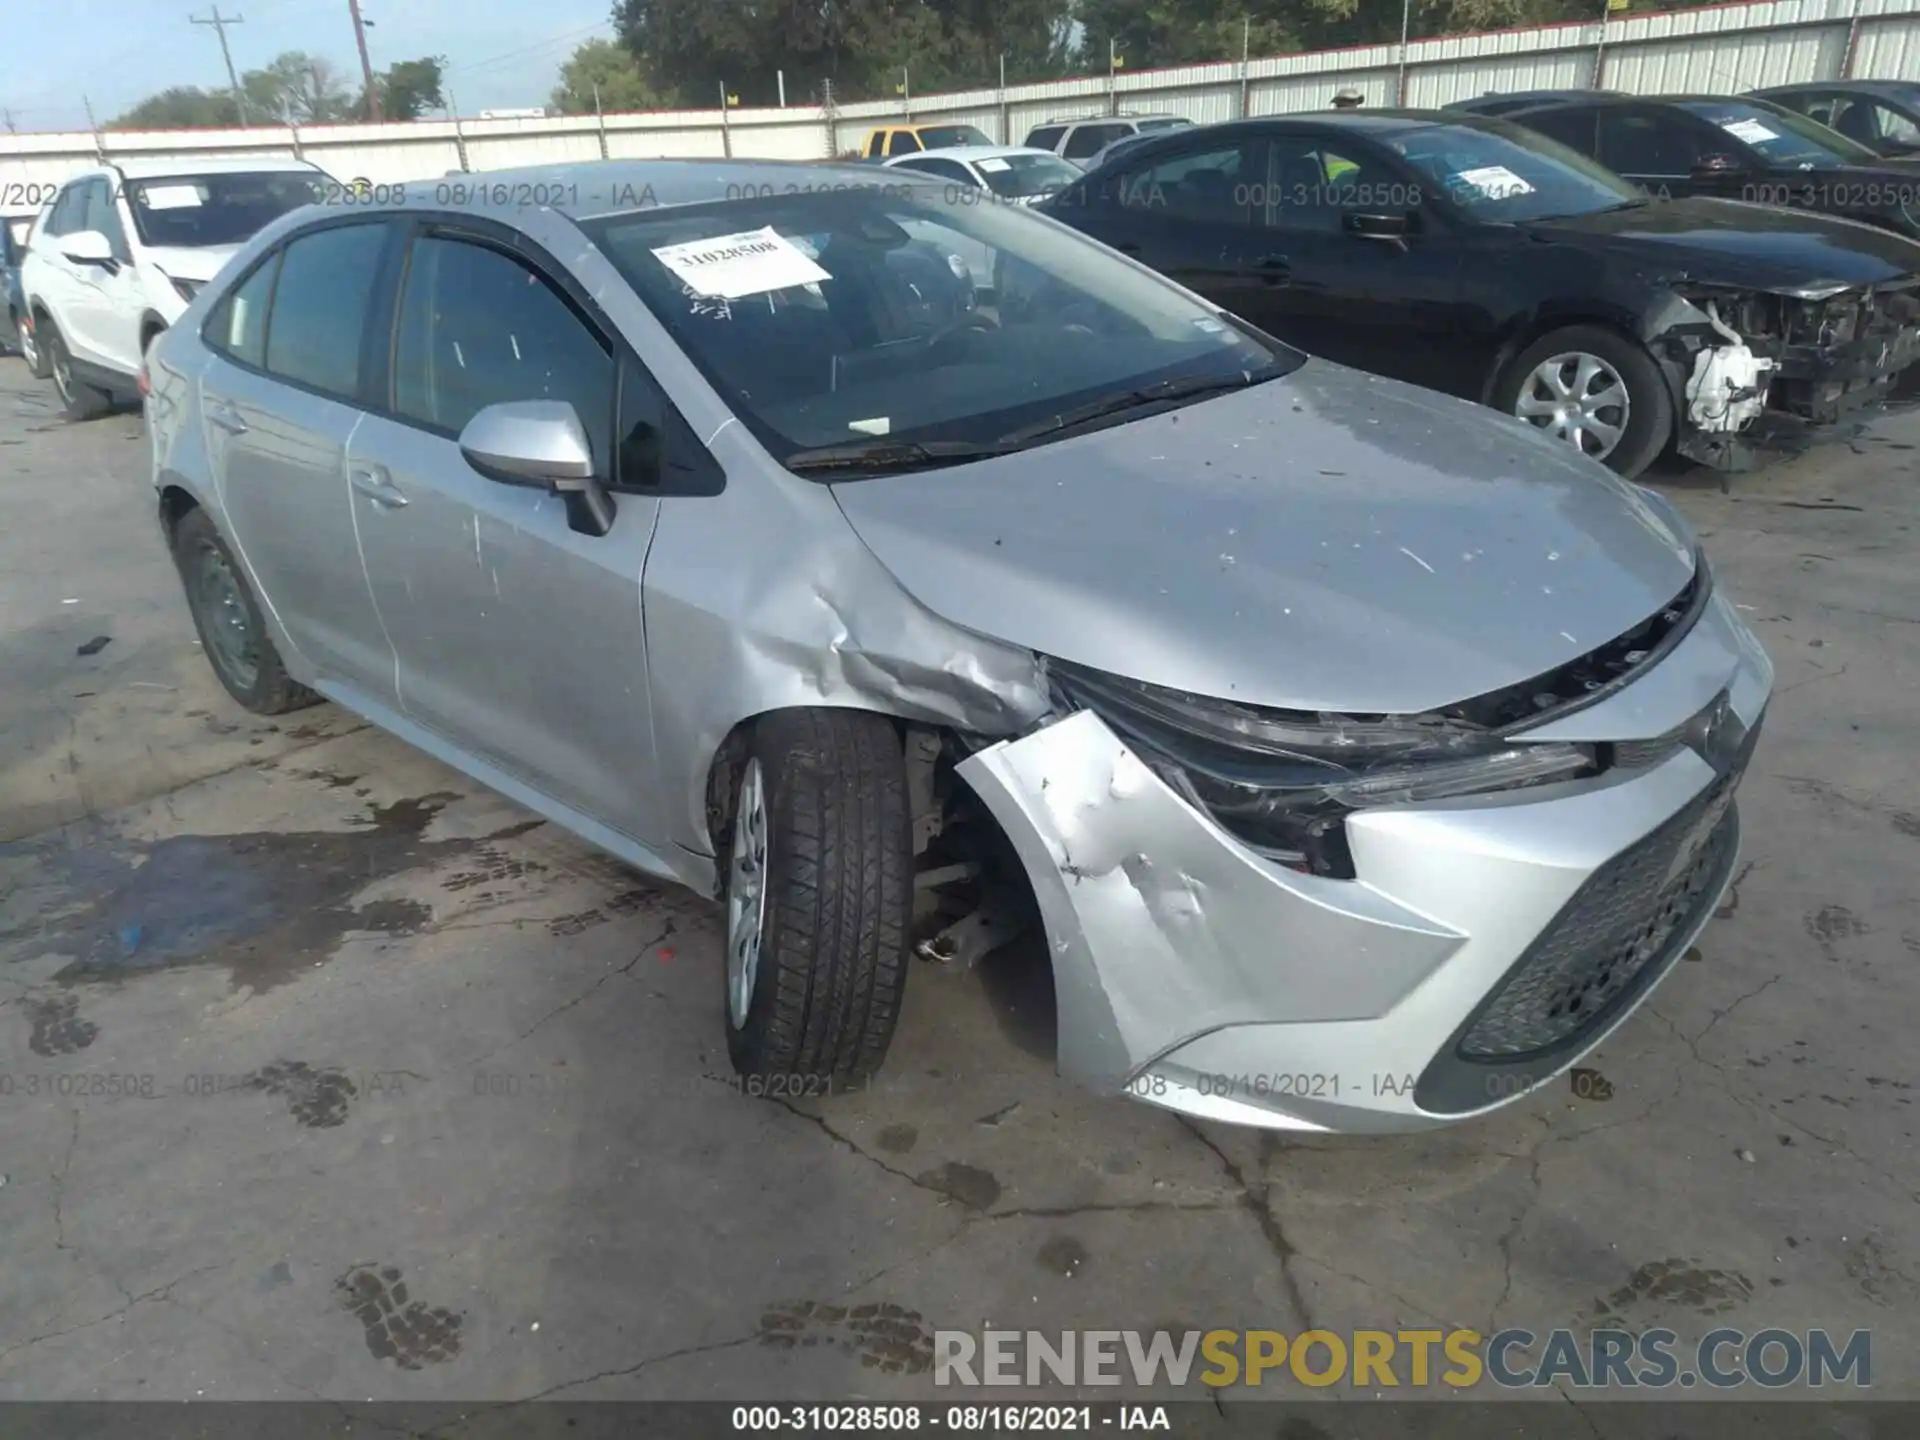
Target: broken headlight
[(1284, 781)]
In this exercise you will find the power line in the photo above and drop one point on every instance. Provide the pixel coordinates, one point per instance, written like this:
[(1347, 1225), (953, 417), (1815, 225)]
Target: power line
[(219, 23)]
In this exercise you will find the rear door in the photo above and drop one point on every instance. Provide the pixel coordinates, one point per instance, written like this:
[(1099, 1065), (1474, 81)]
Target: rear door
[(281, 400), (519, 638)]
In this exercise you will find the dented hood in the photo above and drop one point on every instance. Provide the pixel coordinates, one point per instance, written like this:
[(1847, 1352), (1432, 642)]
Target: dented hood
[(1329, 540), (1729, 242)]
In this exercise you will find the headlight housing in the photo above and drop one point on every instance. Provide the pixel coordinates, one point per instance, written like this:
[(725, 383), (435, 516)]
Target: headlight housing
[(1284, 781)]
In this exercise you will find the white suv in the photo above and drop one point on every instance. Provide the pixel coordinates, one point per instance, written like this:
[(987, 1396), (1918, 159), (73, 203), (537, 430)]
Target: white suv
[(1081, 139), (121, 249)]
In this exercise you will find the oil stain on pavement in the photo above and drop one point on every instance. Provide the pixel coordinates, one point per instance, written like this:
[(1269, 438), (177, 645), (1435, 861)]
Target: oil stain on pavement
[(267, 905), (884, 1336), (409, 1332), (57, 1028), (317, 1098)]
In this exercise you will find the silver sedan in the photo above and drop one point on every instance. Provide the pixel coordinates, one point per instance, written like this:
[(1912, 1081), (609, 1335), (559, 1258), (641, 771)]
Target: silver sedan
[(1364, 756)]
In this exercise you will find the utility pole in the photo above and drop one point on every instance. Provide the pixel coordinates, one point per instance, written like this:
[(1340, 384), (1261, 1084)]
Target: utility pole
[(366, 65), (10, 126), (99, 145), (219, 23)]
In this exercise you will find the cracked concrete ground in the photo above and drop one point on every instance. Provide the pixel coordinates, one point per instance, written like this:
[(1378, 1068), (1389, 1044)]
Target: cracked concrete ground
[(429, 1101)]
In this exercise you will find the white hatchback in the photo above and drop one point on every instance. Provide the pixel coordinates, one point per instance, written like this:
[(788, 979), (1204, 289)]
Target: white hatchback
[(120, 251)]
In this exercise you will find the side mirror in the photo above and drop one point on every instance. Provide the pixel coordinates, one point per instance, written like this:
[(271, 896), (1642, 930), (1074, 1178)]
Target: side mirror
[(87, 247), (542, 444), (1710, 166), (1377, 227)]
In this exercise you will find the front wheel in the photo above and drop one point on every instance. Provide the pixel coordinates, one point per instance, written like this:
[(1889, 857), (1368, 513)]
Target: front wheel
[(30, 350), (1595, 390), (80, 400), (819, 893)]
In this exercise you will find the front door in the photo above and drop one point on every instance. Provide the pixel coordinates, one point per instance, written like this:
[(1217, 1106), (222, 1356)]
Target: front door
[(281, 402), (106, 299), (519, 639), (1193, 215)]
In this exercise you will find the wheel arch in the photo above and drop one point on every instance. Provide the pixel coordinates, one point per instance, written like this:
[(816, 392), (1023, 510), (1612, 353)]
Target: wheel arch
[(1545, 319), (151, 324)]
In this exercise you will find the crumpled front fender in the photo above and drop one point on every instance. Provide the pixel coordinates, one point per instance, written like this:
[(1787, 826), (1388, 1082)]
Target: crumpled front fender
[(1162, 926)]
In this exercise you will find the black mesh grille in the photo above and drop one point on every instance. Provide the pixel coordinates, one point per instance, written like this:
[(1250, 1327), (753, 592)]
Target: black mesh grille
[(1622, 920)]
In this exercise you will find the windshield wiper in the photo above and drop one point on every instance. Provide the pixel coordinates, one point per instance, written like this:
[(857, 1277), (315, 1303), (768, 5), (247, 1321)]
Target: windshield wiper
[(876, 457), (1158, 393)]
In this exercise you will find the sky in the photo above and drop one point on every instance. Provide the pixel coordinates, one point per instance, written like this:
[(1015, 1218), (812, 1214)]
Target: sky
[(500, 53)]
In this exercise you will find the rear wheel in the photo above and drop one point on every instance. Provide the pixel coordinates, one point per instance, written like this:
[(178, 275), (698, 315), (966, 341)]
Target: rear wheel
[(1594, 389), (80, 400), (819, 893), (232, 630)]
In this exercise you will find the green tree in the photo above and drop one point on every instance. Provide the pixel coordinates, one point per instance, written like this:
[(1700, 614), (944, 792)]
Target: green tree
[(296, 89), (612, 68), (180, 107), (411, 88)]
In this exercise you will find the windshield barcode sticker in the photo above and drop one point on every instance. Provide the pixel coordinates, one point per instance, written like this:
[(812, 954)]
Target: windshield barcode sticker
[(170, 197), (1496, 182), (752, 262), (1751, 131)]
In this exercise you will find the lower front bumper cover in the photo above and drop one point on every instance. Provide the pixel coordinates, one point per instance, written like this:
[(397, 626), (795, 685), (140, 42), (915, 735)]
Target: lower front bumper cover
[(1193, 973)]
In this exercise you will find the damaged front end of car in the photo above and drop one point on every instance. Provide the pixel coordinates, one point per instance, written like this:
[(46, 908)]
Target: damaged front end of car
[(1757, 373)]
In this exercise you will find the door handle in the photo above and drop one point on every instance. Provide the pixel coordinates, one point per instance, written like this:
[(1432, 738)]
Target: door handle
[(374, 484), (226, 417)]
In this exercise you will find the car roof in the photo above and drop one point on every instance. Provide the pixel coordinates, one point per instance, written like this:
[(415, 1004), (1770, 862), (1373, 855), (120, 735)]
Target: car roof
[(973, 152), (156, 169), (1866, 87), (585, 189)]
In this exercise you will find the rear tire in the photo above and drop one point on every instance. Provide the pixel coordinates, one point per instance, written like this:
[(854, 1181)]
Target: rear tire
[(80, 400), (232, 629), (818, 860), (1648, 413)]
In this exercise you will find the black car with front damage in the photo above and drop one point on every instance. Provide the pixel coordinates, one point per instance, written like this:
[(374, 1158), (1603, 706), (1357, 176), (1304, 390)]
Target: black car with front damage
[(1477, 257), (1734, 147)]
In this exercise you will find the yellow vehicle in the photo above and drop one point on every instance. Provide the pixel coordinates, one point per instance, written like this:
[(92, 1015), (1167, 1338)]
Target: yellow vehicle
[(886, 140)]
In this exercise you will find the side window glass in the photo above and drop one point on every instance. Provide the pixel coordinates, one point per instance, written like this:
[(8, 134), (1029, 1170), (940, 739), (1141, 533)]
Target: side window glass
[(478, 328), (66, 209), (1086, 140), (874, 142), (904, 142), (1641, 144), (104, 215), (1577, 129), (1047, 137), (320, 307), (1891, 125), (1219, 184), (238, 324)]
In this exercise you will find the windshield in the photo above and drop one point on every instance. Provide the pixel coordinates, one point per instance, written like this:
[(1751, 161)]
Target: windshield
[(1783, 137), (1015, 176), (1505, 173), (833, 317), (220, 209), (939, 137), (1167, 123)]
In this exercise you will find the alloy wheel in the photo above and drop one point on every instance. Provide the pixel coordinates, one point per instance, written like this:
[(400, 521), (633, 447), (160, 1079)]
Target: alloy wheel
[(746, 894), (1578, 398)]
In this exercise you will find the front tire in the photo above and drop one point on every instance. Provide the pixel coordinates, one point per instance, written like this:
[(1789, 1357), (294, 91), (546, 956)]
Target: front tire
[(80, 400), (1594, 389), (31, 350), (233, 632), (819, 892)]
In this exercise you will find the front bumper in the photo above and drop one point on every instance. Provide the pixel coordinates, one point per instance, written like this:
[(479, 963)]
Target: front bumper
[(1486, 944)]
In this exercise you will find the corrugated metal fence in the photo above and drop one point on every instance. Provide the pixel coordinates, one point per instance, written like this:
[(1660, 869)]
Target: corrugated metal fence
[(1723, 48)]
